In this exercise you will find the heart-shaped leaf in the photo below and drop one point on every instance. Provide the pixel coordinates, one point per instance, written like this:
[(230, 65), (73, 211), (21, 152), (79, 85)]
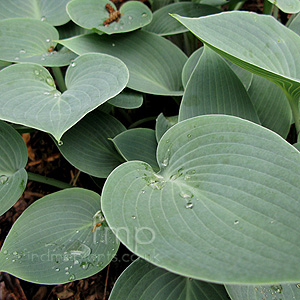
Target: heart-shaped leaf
[(128, 99), (163, 24), (238, 36), (91, 14), (86, 145), (138, 144), (159, 77), (29, 96), (13, 159), (274, 292), (214, 88), (29, 40), (287, 6), (59, 239), (142, 280), (271, 105), (225, 201), (50, 11)]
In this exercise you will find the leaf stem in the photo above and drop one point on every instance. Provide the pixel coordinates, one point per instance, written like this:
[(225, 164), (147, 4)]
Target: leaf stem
[(294, 103), (59, 78), (268, 7), (51, 181)]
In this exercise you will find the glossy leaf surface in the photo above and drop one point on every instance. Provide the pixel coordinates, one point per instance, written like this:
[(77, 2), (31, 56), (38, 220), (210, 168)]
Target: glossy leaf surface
[(13, 159), (225, 201), (29, 96), (149, 58), (53, 240)]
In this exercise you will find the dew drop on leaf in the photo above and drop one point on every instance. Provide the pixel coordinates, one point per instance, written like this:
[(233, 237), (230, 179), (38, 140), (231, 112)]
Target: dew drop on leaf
[(189, 205), (5, 252), (57, 270), (144, 15), (17, 58), (73, 64), (60, 143), (50, 81), (72, 277), (22, 51), (47, 40), (113, 44), (236, 222), (133, 217), (186, 195), (298, 285), (3, 179), (189, 135), (43, 18), (130, 17)]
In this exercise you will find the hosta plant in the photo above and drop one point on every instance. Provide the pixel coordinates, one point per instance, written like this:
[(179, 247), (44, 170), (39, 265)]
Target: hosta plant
[(207, 196)]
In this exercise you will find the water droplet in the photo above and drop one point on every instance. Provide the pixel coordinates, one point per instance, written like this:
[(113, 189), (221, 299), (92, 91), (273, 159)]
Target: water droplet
[(77, 231), (22, 51), (76, 262), (144, 15), (5, 252), (187, 177), (36, 72), (15, 253), (85, 265), (43, 58), (13, 260), (155, 181), (113, 44), (43, 18), (67, 273), (236, 222), (189, 205), (17, 58), (47, 93), (3, 179), (66, 268), (298, 285), (50, 81), (73, 64), (133, 217), (56, 94), (166, 160), (192, 172), (277, 288), (60, 143), (143, 191), (186, 195), (130, 17), (72, 277), (57, 269), (47, 40), (189, 135)]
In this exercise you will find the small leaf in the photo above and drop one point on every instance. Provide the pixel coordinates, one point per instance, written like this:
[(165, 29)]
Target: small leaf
[(160, 77), (50, 11), (29, 40), (163, 24), (274, 292), (142, 280), (56, 239), (13, 159), (138, 144), (127, 99), (238, 36), (271, 105), (86, 145), (29, 96), (225, 201), (163, 124), (91, 14), (214, 88), (287, 6)]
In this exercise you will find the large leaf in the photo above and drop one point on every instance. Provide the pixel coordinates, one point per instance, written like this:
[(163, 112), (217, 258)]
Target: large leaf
[(144, 281), (13, 159), (273, 292), (29, 96), (55, 240), (138, 144), (271, 105), (86, 145), (149, 58), (91, 14), (214, 88), (29, 40), (163, 24), (223, 208), (50, 11), (287, 6), (258, 43)]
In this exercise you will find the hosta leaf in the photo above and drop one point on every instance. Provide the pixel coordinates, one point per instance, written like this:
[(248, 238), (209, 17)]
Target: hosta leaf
[(29, 96), (212, 2), (160, 77), (163, 124), (29, 40), (50, 11), (295, 24), (91, 14), (225, 207), (138, 144), (13, 159), (142, 280), (53, 241), (127, 99), (287, 6), (214, 88), (70, 30), (271, 105), (274, 292), (163, 24), (86, 145), (258, 43)]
